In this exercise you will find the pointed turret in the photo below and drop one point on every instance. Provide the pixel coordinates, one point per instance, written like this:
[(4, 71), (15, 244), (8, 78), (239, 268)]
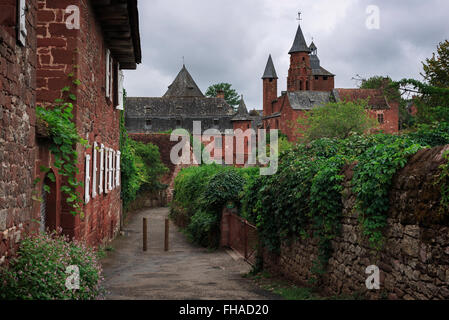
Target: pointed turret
[(184, 86), (313, 48), (242, 112), (270, 71), (299, 44)]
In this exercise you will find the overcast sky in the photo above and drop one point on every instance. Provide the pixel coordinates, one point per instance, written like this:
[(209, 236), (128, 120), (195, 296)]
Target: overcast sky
[(229, 41)]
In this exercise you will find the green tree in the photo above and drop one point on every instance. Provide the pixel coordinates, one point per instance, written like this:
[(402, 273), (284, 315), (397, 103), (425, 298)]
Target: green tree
[(436, 69), (231, 96), (335, 120)]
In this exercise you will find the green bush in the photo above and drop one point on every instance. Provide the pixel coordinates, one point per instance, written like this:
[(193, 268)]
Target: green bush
[(141, 167), (200, 195), (203, 229), (39, 271)]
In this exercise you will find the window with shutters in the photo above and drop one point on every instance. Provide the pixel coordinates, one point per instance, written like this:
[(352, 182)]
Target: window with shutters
[(380, 118), (120, 93), (108, 73), (21, 23)]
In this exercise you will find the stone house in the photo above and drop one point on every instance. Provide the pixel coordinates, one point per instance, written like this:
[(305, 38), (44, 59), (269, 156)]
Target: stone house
[(309, 86), (182, 104), (94, 41)]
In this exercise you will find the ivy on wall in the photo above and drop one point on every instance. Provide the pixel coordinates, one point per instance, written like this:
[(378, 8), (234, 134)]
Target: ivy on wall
[(63, 142)]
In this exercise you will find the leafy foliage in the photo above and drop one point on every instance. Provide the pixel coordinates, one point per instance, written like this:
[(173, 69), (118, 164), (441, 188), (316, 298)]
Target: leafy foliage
[(373, 175), (141, 166), (231, 96), (202, 192), (64, 139), (39, 271), (335, 120), (436, 69)]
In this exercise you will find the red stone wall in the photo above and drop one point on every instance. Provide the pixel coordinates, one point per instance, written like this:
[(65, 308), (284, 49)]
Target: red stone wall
[(269, 95), (299, 73), (62, 51), (17, 128)]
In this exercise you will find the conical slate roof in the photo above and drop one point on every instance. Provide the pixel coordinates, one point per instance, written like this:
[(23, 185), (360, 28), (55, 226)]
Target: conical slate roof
[(270, 71), (242, 112), (313, 47), (299, 45), (184, 86)]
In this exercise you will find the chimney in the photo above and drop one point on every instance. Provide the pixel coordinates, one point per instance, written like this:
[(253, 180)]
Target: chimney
[(220, 94)]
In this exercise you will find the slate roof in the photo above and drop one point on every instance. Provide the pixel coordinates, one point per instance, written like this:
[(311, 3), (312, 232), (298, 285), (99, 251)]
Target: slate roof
[(299, 44), (317, 69), (183, 86), (177, 107), (242, 112), (270, 71), (308, 100), (376, 98)]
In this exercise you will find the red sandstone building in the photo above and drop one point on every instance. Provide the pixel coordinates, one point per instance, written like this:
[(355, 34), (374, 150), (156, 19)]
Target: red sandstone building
[(309, 86), (41, 43)]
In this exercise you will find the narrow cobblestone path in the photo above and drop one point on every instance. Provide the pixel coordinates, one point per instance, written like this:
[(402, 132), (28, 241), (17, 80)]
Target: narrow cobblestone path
[(185, 272)]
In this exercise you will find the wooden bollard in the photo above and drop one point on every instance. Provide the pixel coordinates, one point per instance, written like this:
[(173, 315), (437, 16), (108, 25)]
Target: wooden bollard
[(145, 234), (167, 232)]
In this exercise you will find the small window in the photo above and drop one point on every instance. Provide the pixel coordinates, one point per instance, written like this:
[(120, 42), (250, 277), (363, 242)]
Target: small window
[(303, 59), (216, 122), (108, 73), (22, 30), (380, 118), (316, 77), (148, 123), (178, 123), (325, 78)]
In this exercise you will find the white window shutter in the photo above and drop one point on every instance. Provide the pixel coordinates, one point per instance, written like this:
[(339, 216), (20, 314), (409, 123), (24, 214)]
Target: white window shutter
[(108, 73), (94, 171), (120, 93), (113, 170), (87, 180), (110, 170), (100, 184), (117, 168), (106, 170), (21, 25)]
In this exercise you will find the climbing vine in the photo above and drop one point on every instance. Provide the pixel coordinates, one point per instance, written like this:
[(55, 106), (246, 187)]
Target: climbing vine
[(372, 180), (64, 138)]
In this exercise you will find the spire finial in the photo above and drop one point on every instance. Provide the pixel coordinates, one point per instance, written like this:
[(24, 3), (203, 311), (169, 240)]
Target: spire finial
[(299, 17)]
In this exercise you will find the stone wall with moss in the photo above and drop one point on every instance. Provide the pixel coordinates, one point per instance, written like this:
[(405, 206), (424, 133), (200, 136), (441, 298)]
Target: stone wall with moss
[(414, 261)]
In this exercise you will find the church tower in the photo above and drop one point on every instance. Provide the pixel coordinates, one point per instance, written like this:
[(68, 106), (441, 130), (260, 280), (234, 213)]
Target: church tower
[(300, 73), (270, 87)]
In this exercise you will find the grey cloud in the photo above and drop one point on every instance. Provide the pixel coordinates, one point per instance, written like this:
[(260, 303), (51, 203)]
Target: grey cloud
[(229, 41)]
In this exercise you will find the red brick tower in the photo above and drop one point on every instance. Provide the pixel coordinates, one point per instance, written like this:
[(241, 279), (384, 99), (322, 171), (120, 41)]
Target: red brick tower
[(300, 75), (270, 87)]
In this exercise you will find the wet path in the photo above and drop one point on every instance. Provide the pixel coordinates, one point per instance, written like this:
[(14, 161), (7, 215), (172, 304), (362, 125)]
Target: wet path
[(185, 272)]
